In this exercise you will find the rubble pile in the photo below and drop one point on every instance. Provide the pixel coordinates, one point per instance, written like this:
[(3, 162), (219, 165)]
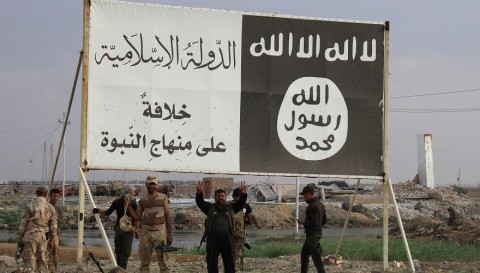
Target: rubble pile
[(441, 213)]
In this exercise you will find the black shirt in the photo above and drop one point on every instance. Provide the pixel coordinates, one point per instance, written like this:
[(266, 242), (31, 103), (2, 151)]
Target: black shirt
[(118, 205)]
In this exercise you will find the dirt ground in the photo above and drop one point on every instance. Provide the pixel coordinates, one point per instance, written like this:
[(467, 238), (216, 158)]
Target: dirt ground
[(181, 263)]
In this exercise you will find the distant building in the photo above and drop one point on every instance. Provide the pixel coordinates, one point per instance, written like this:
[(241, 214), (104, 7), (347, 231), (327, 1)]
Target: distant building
[(185, 190), (210, 184)]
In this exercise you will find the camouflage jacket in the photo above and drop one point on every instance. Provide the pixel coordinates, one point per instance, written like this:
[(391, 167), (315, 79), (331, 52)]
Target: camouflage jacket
[(38, 217)]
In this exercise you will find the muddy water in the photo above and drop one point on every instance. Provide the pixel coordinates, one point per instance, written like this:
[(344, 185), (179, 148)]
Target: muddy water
[(191, 238)]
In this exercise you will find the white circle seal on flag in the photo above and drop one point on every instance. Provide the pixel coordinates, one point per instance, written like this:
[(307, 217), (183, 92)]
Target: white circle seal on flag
[(312, 121)]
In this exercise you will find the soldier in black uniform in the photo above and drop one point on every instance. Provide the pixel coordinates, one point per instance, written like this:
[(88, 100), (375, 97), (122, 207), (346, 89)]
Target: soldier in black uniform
[(123, 240), (315, 218)]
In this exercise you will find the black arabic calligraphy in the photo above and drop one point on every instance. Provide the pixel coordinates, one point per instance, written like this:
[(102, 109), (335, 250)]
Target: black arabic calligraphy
[(170, 112), (312, 48), (184, 54), (315, 146)]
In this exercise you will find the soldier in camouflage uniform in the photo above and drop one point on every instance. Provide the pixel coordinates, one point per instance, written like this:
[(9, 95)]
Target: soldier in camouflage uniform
[(37, 223), (54, 241), (153, 212), (242, 218)]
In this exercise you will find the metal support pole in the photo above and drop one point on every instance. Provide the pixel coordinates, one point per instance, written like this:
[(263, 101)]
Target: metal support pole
[(400, 224), (80, 228), (386, 155), (297, 205), (346, 219), (385, 224), (97, 217)]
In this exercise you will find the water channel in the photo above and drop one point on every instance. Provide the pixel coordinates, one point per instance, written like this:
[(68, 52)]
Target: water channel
[(191, 238)]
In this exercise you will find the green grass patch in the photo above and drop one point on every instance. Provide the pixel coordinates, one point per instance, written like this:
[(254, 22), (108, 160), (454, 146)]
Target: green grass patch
[(423, 250), (10, 219), (367, 250)]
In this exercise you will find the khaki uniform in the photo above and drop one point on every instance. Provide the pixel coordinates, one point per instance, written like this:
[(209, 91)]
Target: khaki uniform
[(239, 236), (38, 221), (153, 231), (53, 252)]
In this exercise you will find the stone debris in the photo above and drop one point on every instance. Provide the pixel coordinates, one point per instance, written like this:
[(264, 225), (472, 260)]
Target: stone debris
[(6, 261), (333, 260), (397, 264)]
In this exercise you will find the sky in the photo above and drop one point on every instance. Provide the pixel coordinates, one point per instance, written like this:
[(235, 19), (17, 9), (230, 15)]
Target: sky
[(434, 83)]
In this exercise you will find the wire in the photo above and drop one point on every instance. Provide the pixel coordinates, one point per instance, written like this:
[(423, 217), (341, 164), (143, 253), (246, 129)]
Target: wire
[(435, 94), (25, 130), (439, 110), (434, 110), (31, 156), (31, 140)]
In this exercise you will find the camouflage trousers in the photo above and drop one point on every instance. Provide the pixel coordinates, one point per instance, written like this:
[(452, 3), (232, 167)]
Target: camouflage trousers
[(53, 255), (239, 243), (34, 254), (148, 239)]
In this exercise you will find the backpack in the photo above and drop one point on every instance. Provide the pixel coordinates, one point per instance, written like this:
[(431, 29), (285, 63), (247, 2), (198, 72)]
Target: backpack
[(125, 223)]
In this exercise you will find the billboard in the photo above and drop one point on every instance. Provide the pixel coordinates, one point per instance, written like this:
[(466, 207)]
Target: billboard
[(195, 90)]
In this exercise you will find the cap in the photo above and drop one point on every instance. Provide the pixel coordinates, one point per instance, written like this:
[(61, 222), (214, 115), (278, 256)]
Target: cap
[(41, 189), (152, 179), (308, 189), (127, 189)]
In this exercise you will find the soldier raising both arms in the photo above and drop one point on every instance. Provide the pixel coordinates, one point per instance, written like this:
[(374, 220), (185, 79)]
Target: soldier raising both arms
[(220, 227)]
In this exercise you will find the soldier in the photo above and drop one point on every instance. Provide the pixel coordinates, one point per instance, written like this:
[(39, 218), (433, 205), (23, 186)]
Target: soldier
[(315, 218), (37, 223), (54, 241), (123, 239), (153, 212), (220, 227), (242, 218)]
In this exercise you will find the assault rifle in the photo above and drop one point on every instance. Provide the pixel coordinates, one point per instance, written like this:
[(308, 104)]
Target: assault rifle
[(248, 246), (93, 258), (20, 246), (202, 240), (166, 248)]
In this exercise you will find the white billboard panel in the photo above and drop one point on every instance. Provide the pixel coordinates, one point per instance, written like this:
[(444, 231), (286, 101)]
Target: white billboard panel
[(195, 90)]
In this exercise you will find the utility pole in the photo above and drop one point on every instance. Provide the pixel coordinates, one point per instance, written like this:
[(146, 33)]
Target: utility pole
[(31, 170), (63, 144), (44, 166), (51, 159), (458, 177)]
